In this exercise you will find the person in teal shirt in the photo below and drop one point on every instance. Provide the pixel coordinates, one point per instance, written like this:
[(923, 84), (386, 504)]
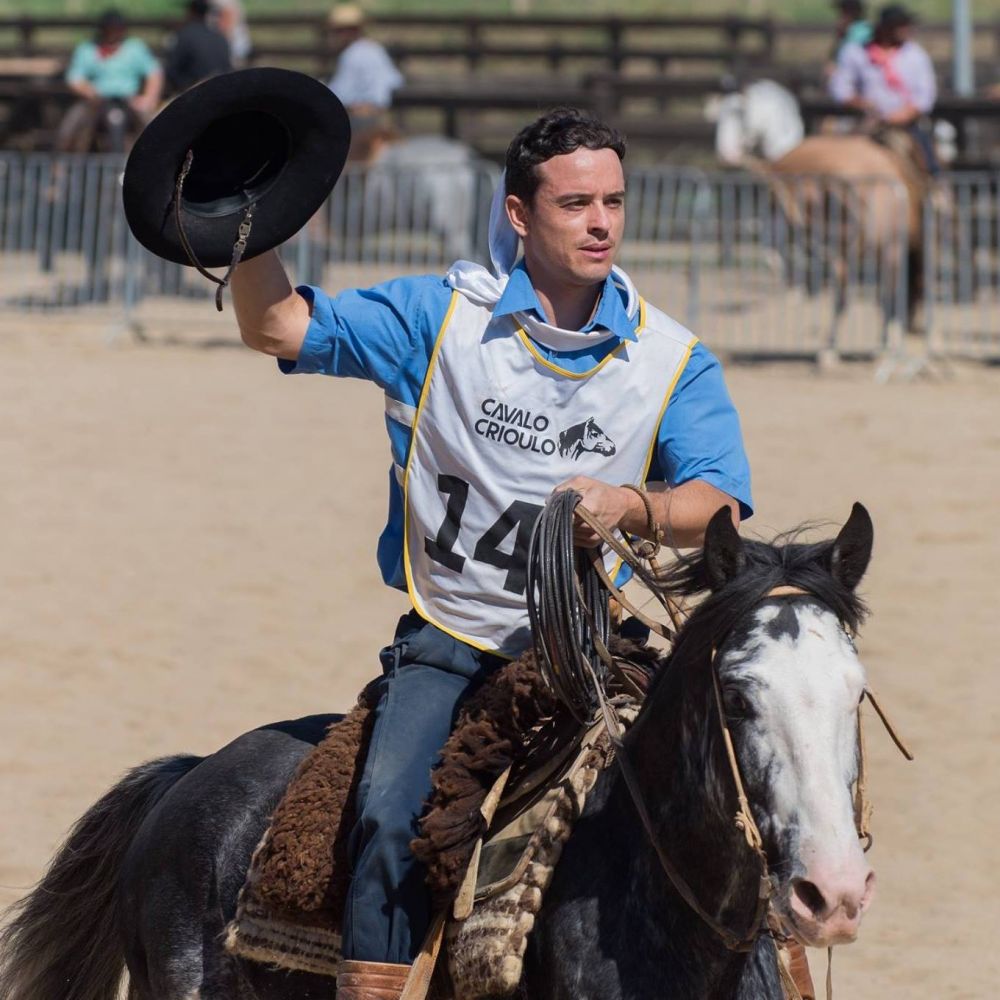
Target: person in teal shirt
[(852, 28), (114, 76)]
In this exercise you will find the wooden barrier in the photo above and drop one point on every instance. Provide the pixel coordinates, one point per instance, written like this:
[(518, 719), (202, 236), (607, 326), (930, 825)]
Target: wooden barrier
[(648, 74)]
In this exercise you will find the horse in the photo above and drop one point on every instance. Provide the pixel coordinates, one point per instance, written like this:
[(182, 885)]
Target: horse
[(148, 878), (397, 188), (844, 182)]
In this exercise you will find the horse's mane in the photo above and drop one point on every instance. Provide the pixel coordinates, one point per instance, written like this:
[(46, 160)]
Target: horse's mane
[(784, 561)]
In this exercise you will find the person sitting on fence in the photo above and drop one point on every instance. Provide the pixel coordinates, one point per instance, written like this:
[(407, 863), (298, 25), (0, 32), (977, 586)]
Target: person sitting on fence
[(366, 76), (115, 76), (196, 50), (892, 80)]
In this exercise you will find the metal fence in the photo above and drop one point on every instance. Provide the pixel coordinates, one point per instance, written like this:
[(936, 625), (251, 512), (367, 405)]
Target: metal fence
[(961, 267), (66, 244), (808, 266)]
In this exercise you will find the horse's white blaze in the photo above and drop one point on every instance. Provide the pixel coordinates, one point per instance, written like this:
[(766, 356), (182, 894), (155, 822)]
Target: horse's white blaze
[(803, 681)]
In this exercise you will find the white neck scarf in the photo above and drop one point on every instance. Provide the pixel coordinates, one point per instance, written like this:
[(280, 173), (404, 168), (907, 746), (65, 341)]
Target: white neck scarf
[(484, 287)]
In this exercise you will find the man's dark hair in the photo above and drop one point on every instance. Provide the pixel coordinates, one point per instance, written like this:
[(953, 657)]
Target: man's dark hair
[(560, 131)]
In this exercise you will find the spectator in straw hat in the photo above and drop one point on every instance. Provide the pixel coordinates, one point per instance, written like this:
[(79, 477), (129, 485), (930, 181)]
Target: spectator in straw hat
[(366, 75)]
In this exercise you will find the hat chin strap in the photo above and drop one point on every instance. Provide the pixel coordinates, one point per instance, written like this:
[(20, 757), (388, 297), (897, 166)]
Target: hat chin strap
[(239, 247)]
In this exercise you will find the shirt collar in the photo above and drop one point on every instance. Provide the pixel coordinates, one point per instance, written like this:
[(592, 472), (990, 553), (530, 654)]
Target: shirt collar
[(520, 296)]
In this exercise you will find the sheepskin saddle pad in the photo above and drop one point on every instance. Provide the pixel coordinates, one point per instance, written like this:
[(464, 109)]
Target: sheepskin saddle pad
[(512, 779)]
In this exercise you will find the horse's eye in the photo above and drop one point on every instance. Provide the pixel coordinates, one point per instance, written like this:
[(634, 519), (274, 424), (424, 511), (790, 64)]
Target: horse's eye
[(736, 704)]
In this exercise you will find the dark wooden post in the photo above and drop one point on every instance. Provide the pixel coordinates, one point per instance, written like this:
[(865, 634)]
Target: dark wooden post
[(616, 31), (26, 27), (770, 34), (602, 95), (451, 121), (473, 37)]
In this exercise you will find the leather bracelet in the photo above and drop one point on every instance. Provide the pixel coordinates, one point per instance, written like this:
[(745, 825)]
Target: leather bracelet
[(648, 547)]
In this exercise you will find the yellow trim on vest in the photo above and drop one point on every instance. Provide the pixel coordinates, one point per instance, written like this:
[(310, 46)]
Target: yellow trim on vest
[(425, 388), (656, 431), (666, 403), (492, 650), (526, 340), (410, 589)]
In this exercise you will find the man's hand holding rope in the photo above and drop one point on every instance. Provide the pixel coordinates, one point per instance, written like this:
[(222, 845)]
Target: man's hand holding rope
[(682, 512)]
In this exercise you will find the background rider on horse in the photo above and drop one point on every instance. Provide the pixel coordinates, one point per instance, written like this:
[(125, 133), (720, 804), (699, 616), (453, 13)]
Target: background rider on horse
[(891, 79)]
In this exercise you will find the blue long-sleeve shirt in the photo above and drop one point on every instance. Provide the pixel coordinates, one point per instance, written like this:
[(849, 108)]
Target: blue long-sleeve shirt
[(386, 335)]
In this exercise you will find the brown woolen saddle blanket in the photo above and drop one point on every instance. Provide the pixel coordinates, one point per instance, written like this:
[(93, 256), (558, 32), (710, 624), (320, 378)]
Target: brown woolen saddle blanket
[(291, 906)]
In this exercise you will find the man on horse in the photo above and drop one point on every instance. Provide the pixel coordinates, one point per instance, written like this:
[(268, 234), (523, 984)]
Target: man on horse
[(891, 79), (483, 371)]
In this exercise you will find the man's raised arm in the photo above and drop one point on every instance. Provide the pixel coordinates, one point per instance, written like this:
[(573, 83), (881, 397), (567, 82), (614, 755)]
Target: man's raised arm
[(272, 316)]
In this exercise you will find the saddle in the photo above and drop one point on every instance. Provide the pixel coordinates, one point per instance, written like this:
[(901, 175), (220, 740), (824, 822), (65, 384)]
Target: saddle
[(514, 776), (912, 160)]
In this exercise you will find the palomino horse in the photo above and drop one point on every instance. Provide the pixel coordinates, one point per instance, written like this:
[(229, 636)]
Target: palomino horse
[(868, 187), (149, 877)]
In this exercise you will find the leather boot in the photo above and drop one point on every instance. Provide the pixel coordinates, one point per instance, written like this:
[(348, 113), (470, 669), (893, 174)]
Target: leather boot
[(370, 980), (798, 967)]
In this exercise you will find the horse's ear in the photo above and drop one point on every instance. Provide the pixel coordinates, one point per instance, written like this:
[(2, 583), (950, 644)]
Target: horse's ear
[(852, 548), (723, 552)]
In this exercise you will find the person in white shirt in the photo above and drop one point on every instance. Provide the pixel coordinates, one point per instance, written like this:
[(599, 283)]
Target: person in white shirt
[(366, 75), (230, 18)]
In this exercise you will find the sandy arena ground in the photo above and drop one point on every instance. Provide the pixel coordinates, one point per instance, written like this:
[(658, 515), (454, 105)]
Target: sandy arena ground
[(188, 552)]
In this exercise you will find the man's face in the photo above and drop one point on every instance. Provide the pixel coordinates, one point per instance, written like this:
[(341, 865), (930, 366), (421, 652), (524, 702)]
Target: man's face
[(902, 34), (113, 34), (573, 227), (342, 36)]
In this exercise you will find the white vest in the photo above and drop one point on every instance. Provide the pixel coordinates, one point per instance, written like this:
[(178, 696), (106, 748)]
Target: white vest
[(496, 429)]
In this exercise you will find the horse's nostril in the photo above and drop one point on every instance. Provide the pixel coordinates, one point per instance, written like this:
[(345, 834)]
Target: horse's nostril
[(810, 896)]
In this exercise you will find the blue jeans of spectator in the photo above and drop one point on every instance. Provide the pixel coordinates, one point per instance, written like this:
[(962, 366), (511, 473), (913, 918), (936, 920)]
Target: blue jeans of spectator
[(426, 675)]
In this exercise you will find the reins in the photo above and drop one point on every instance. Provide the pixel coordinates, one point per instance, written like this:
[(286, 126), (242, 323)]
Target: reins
[(575, 648)]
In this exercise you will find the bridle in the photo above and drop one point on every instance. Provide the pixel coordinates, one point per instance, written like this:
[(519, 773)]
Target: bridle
[(763, 920)]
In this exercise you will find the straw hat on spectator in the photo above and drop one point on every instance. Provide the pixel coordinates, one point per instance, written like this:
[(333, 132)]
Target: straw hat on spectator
[(346, 15)]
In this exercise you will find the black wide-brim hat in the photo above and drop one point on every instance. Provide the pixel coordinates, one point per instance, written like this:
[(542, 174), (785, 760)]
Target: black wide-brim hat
[(271, 137)]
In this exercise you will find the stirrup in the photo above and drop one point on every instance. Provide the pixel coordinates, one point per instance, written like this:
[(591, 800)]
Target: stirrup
[(370, 980)]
